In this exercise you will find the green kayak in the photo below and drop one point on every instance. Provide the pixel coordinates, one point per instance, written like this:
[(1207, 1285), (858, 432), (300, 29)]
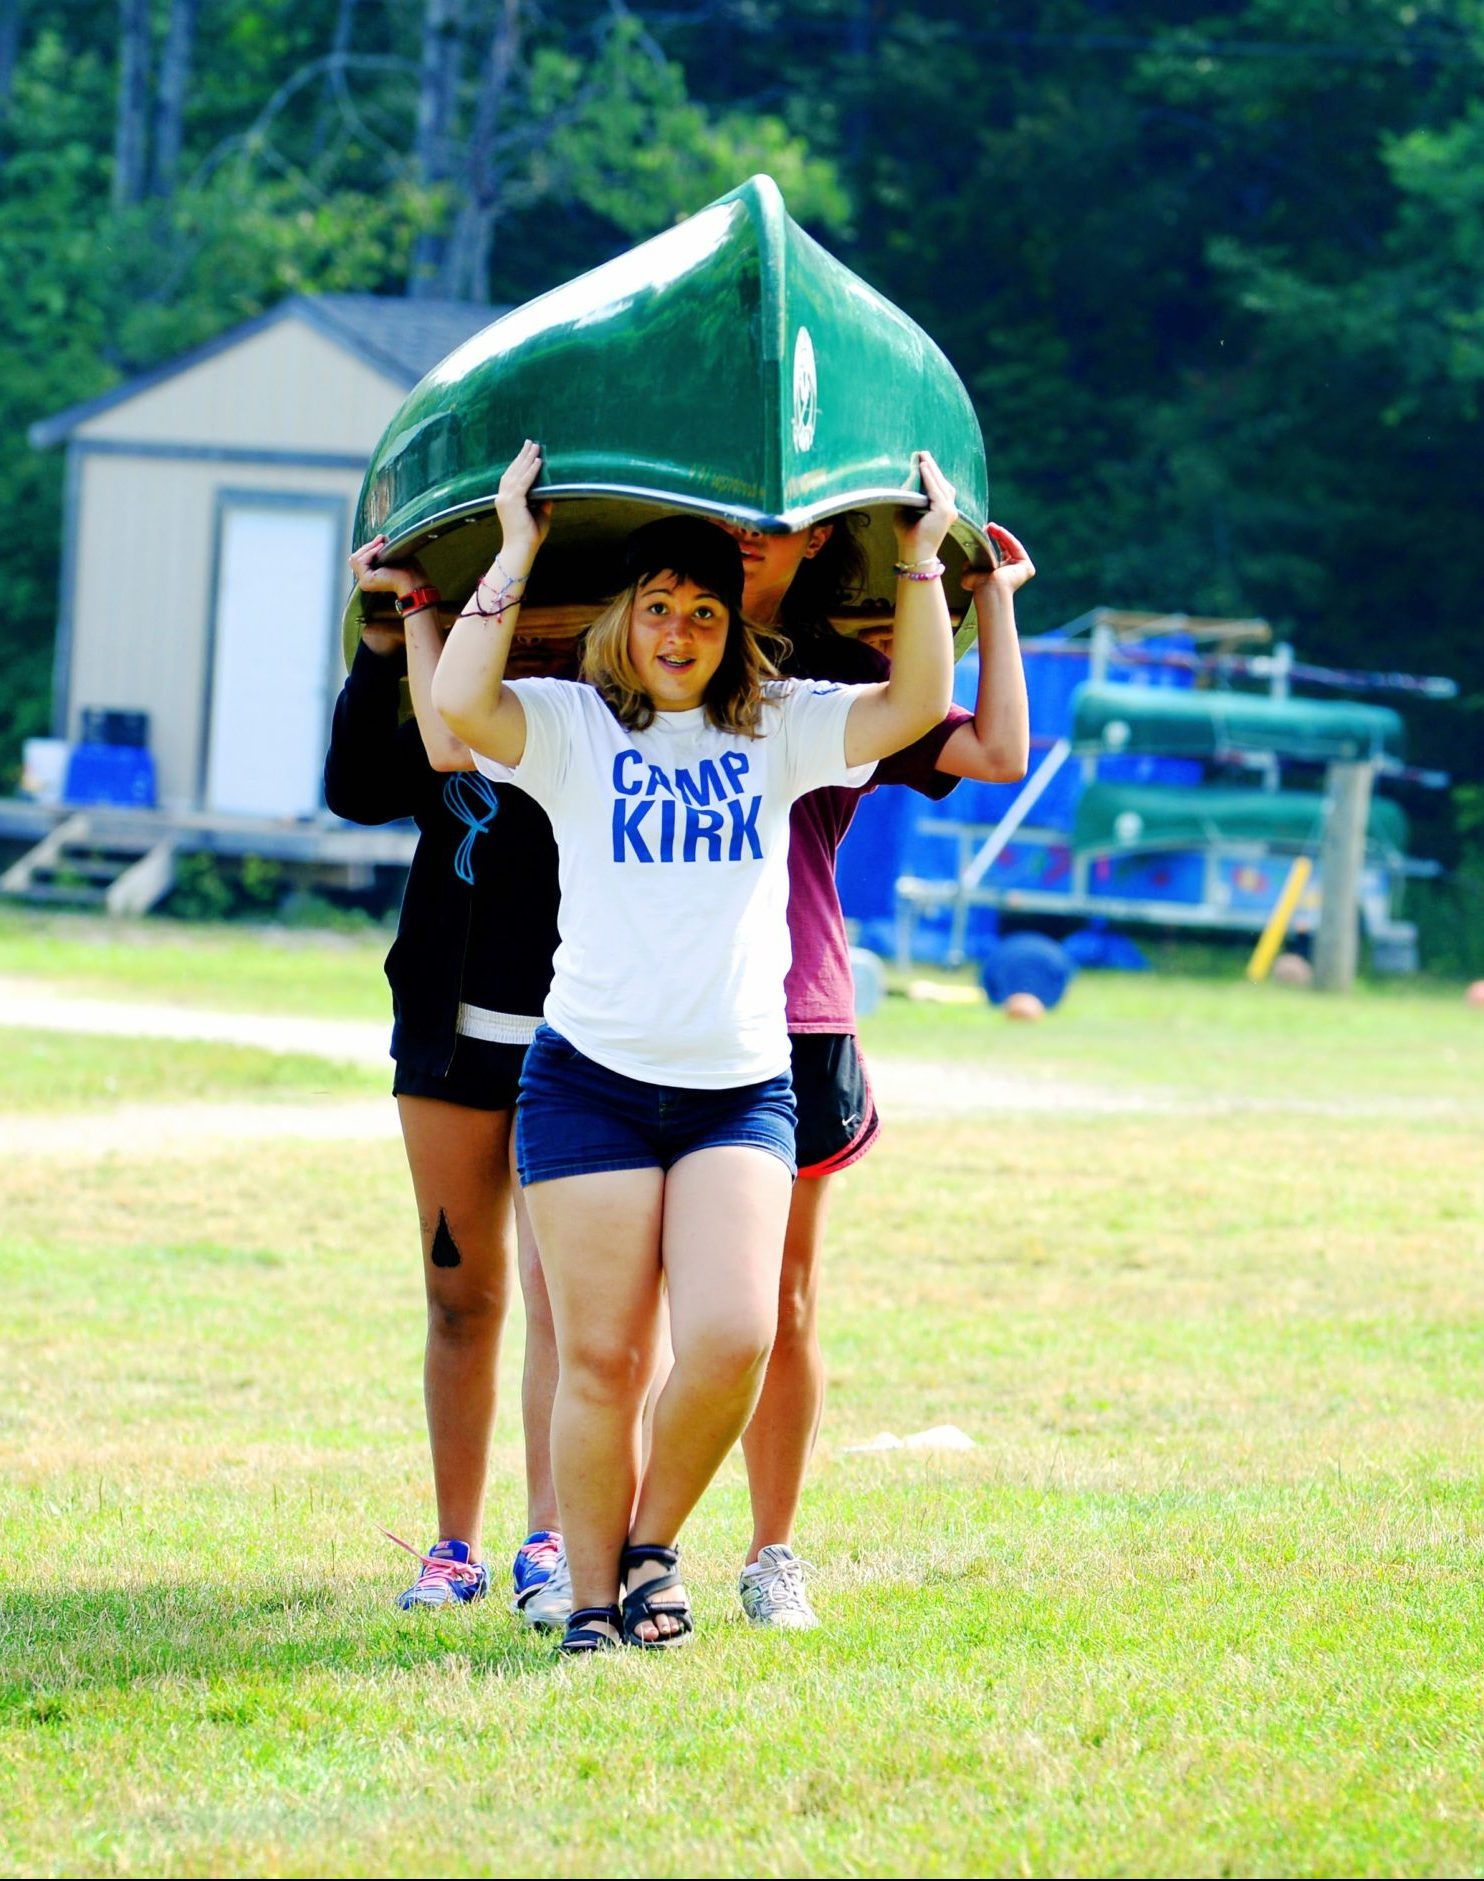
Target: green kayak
[(730, 367)]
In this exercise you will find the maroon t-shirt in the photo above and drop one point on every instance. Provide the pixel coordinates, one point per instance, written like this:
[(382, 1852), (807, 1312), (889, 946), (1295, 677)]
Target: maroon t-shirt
[(820, 991)]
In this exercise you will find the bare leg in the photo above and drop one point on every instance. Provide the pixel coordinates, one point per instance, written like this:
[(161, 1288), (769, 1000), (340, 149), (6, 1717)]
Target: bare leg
[(461, 1176), (600, 1250), (539, 1378), (664, 1364), (725, 1215), (780, 1439)]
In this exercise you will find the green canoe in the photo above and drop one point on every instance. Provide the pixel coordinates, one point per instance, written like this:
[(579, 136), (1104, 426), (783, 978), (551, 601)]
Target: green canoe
[(730, 367), (1200, 724), (1162, 816)]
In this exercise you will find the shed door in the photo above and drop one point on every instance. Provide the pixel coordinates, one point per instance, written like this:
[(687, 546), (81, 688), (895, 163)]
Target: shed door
[(277, 569)]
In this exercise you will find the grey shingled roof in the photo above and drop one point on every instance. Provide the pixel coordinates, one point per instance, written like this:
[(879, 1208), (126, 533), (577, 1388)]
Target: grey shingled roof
[(408, 336), (401, 338)]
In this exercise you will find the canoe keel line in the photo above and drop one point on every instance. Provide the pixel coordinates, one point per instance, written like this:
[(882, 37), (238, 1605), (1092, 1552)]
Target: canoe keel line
[(730, 367)]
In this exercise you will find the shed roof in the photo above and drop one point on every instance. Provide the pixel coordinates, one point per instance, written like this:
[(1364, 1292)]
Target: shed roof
[(409, 336), (402, 339)]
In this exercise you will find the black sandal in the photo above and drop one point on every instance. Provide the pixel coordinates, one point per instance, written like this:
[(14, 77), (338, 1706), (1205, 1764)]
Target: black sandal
[(581, 1636), (641, 1604)]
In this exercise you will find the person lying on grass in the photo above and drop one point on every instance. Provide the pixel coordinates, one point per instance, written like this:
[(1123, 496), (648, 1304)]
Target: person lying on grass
[(655, 1131)]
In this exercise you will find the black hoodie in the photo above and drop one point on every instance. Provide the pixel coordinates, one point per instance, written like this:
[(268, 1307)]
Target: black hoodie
[(479, 915)]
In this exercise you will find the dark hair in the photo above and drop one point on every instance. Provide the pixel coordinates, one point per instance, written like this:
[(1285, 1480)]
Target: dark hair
[(691, 549), (734, 699), (828, 580)]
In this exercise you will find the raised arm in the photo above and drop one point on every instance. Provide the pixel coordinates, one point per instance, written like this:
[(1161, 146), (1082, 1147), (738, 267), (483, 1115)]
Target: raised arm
[(373, 774), (996, 747), (887, 717), (468, 689), (424, 639)]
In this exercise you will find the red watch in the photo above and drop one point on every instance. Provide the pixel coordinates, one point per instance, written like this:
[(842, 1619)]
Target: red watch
[(416, 600)]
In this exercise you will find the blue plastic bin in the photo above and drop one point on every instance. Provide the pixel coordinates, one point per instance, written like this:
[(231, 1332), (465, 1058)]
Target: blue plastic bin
[(119, 774)]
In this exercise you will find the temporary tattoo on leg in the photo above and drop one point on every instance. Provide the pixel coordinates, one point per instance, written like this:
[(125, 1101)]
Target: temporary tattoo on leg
[(445, 1248)]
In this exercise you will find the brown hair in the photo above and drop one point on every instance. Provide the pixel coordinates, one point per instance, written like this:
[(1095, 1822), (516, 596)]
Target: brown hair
[(734, 699), (831, 579)]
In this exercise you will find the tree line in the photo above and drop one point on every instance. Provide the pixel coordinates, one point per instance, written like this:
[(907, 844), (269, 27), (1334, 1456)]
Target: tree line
[(1215, 277)]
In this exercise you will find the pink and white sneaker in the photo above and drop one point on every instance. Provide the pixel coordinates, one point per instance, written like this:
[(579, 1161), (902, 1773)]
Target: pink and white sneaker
[(448, 1579)]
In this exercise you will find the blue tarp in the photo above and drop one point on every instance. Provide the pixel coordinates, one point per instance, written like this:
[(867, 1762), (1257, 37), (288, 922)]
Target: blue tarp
[(887, 839)]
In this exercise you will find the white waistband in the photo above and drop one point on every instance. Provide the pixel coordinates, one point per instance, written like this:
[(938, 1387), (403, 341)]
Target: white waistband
[(496, 1028)]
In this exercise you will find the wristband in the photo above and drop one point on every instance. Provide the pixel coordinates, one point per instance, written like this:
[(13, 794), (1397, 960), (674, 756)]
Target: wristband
[(919, 571), (416, 600)]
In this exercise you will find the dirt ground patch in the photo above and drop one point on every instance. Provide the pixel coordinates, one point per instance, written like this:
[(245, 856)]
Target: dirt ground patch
[(905, 1087)]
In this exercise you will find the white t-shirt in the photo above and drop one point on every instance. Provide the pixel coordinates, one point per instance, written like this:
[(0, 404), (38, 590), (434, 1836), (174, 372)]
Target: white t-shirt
[(673, 848)]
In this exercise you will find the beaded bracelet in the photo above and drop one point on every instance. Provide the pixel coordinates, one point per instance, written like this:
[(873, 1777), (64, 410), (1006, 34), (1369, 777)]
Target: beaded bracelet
[(504, 600), (919, 571)]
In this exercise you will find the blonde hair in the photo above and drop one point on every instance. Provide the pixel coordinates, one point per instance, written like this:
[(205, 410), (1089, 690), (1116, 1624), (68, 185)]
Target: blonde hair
[(734, 699)]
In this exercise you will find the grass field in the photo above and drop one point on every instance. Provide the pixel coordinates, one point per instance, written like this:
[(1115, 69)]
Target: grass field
[(323, 975), (1205, 1598), (42, 1072)]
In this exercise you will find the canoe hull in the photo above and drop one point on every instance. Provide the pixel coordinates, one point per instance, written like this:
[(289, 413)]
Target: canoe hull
[(730, 368)]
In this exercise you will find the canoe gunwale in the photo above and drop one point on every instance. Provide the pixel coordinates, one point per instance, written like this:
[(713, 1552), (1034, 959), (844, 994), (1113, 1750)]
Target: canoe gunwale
[(980, 548), (785, 524)]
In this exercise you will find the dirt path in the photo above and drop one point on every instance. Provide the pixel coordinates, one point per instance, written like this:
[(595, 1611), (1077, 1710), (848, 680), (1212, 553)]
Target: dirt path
[(905, 1087), (915, 1087), (49, 1009)]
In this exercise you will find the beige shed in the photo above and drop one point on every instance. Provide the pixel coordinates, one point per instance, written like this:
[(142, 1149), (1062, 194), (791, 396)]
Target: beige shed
[(207, 520)]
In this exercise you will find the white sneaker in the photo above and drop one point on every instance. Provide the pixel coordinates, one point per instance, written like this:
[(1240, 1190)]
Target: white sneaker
[(551, 1603), (773, 1592)]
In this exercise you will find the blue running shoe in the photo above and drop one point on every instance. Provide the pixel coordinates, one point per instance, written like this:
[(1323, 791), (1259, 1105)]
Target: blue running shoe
[(449, 1578), (543, 1585)]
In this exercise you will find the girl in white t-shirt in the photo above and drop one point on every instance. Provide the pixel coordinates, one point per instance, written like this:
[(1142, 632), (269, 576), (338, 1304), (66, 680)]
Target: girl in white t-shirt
[(655, 1125)]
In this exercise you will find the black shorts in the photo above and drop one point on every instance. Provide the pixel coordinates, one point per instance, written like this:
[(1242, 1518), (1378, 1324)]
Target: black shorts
[(837, 1113), (481, 1076)]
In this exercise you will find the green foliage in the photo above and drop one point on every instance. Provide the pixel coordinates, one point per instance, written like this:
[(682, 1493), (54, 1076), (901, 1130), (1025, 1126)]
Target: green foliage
[(302, 908), (202, 891), (634, 148), (218, 888), (292, 186), (1214, 276)]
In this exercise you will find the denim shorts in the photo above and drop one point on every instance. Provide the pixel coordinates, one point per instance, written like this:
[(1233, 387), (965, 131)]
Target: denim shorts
[(577, 1118)]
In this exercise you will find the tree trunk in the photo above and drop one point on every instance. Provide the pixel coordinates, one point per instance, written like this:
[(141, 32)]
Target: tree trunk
[(466, 264), (345, 21), (131, 121), (175, 71), (437, 103), (10, 47)]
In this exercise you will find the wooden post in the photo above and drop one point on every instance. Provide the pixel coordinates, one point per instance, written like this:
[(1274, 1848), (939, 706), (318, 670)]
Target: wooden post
[(1341, 859)]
